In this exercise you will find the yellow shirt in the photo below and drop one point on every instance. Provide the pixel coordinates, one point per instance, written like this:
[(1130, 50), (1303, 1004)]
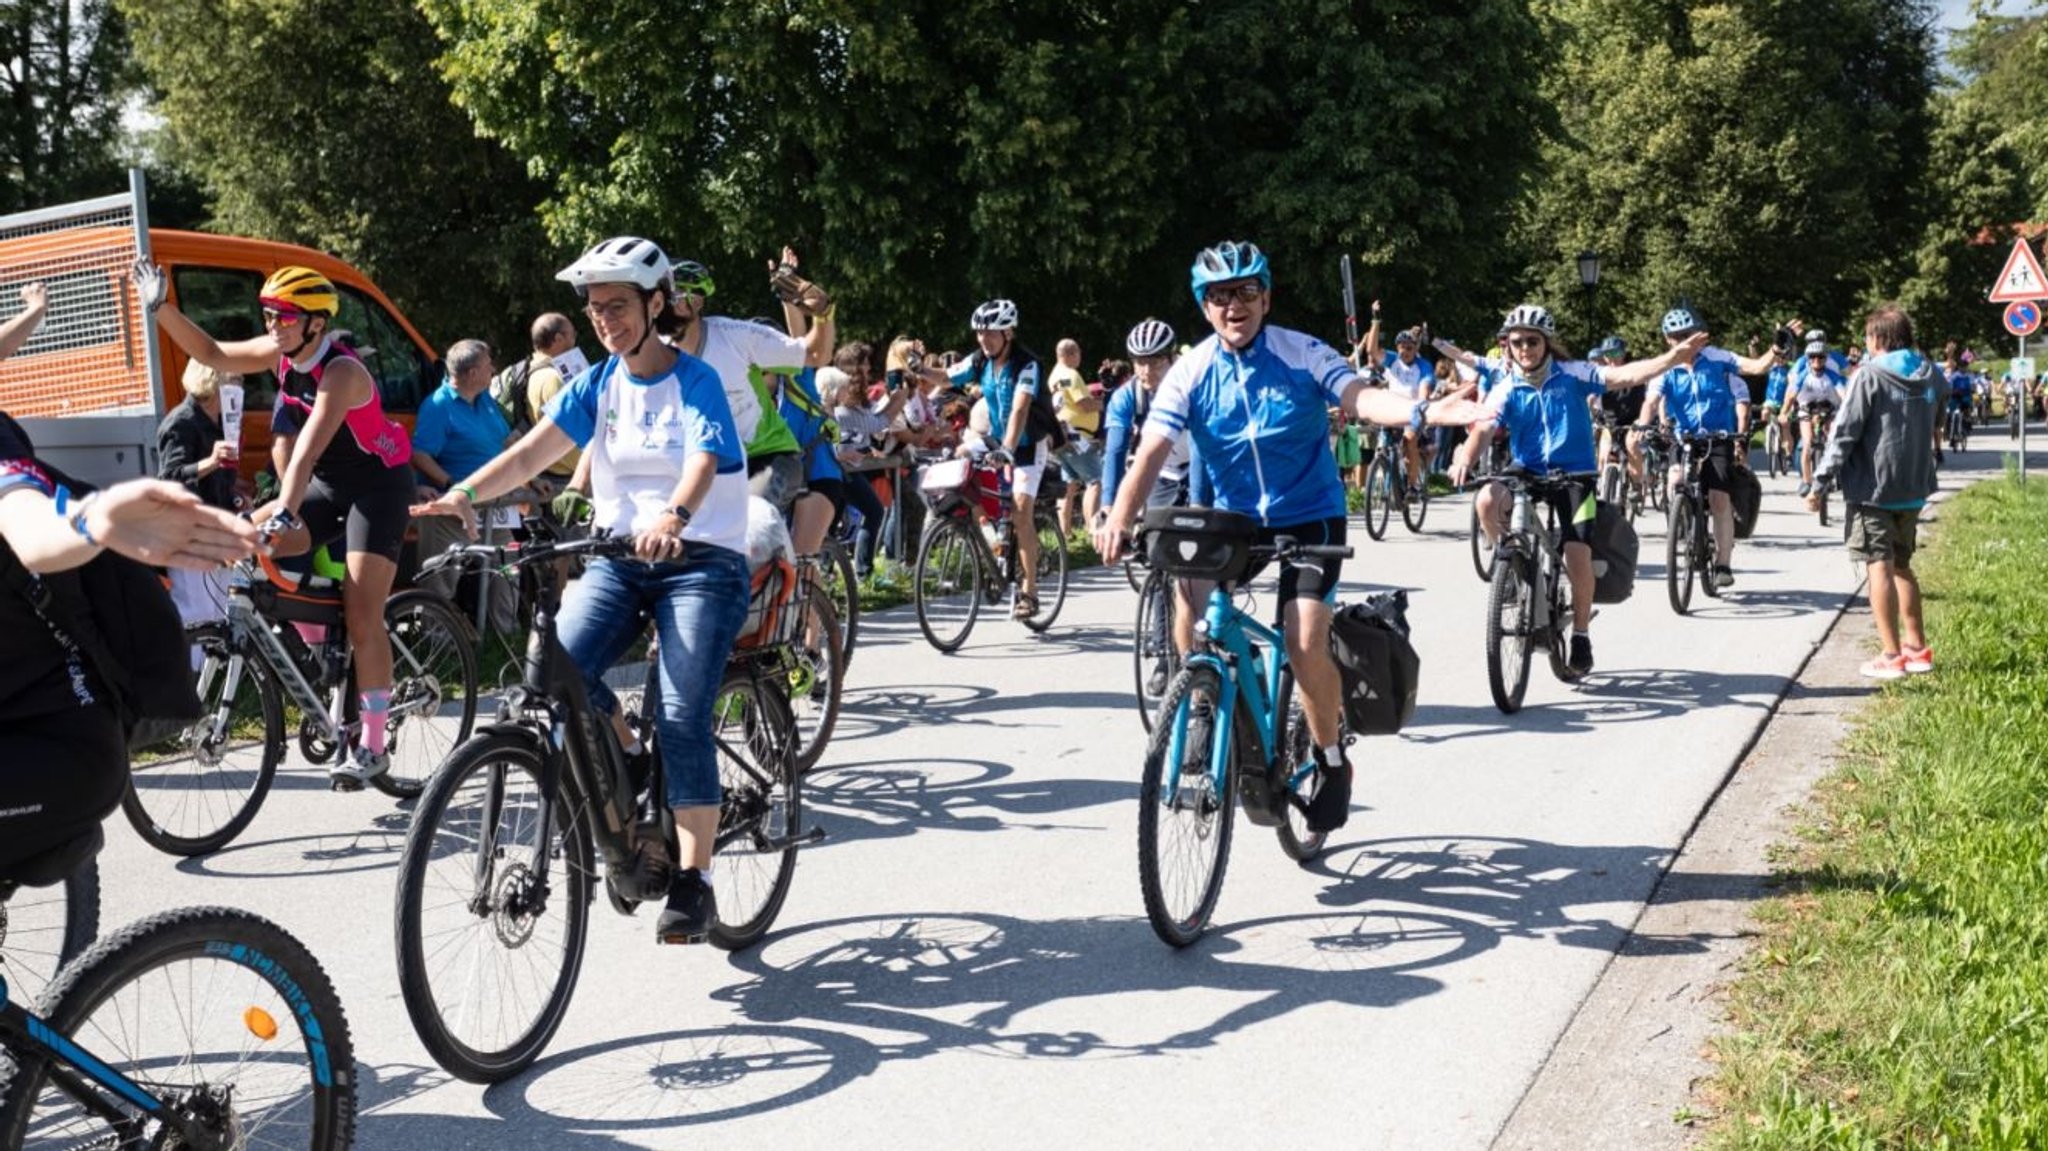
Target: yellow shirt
[(1074, 389), (543, 380)]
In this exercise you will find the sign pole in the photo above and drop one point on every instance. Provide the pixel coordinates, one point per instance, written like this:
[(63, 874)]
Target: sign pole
[(2023, 419)]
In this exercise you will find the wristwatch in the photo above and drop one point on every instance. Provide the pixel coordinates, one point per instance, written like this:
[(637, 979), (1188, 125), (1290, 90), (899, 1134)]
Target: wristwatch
[(682, 513)]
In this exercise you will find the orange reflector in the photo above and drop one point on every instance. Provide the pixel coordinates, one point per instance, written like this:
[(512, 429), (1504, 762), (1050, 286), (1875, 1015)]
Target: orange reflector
[(260, 1024)]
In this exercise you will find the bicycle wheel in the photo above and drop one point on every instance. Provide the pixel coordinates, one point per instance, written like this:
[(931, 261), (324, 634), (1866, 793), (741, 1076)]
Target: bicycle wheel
[(1184, 837), (762, 808), (1052, 573), (1379, 497), (1773, 441), (221, 1015), (1558, 645), (1656, 476), (433, 689), (1678, 568), (1824, 493), (1482, 547), (1415, 506), (817, 676), (43, 928), (1510, 614), (1703, 554), (194, 794), (1300, 844), (843, 587), (1131, 574), (1152, 640), (1612, 482), (947, 586)]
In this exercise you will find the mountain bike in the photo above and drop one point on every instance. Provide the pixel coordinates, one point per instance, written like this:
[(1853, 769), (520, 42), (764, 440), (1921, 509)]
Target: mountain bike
[(1778, 447), (1491, 463), (201, 1028), (1154, 657), (1530, 600), (49, 913), (1823, 424), (1388, 485), (959, 571), (1958, 427), (497, 876), (1656, 462), (1616, 486), (1226, 732), (1689, 530), (195, 793)]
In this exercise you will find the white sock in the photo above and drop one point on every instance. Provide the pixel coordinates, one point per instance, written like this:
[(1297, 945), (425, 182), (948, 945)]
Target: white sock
[(1333, 755), (1581, 633)]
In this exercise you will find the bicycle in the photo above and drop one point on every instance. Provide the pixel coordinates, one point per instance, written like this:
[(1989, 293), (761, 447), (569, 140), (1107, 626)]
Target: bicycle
[(1388, 486), (1152, 647), (254, 1045), (49, 912), (1616, 486), (959, 571), (213, 777), (497, 875), (1688, 532), (1958, 427), (1227, 731), (1823, 416), (1778, 448), (1656, 462), (1530, 600), (1491, 463)]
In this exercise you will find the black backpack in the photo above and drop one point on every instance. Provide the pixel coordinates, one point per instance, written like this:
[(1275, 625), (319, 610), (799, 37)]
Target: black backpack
[(509, 390), (1379, 667)]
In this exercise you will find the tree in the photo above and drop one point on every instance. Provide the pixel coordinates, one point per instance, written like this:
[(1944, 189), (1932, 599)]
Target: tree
[(324, 123), (66, 76)]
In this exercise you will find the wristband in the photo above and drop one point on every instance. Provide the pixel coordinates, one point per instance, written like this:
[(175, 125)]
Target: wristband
[(75, 516), (467, 491)]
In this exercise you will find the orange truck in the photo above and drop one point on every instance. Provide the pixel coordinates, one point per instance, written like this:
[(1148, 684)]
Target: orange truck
[(96, 378)]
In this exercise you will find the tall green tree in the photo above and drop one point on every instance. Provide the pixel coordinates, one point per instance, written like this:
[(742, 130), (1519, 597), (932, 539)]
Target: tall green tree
[(324, 123), (1759, 158), (65, 77)]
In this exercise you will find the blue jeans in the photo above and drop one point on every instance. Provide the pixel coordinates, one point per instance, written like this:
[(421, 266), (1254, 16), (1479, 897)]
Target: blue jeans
[(698, 607)]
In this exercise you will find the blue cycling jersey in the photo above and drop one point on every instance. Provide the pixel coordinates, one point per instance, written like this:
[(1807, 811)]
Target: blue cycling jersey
[(1258, 420), (810, 423), (1775, 385), (1000, 384), (1549, 426), (1701, 397)]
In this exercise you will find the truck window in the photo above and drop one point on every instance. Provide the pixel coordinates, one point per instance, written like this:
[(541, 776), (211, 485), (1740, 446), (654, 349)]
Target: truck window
[(394, 362), (222, 301)]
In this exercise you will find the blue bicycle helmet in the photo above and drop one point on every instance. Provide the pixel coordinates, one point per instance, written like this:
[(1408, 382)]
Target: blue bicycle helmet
[(1679, 321), (1612, 348), (1229, 260)]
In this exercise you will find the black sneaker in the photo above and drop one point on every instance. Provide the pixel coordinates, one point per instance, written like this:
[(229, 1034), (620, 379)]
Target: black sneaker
[(1723, 576), (692, 908), (1582, 654), (1155, 684), (1331, 808)]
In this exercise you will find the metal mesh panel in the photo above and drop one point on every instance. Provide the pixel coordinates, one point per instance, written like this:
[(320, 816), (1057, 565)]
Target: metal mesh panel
[(87, 355)]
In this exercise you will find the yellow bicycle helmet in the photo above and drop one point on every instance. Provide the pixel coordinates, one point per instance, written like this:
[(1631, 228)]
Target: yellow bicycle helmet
[(300, 289)]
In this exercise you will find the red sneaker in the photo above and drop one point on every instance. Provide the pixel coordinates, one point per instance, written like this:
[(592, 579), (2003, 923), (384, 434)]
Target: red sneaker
[(1919, 660), (1885, 667)]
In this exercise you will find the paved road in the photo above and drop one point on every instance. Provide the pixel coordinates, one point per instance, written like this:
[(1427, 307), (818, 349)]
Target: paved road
[(966, 961)]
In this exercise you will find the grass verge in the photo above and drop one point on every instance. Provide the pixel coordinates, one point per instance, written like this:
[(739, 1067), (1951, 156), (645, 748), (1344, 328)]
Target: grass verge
[(1898, 997)]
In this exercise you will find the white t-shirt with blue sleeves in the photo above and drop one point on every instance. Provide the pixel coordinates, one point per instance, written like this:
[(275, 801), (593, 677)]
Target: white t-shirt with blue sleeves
[(1412, 381), (639, 432), (1259, 422)]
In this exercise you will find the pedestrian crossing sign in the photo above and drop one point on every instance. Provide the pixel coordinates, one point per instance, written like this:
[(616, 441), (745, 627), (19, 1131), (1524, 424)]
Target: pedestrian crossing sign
[(2022, 278)]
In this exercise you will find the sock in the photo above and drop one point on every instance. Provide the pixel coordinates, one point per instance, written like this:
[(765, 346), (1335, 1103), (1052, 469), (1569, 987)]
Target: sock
[(1332, 756), (376, 710), (1581, 633)]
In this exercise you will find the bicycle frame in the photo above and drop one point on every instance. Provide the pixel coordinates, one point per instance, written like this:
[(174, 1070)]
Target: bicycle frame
[(1228, 635), (248, 628), (1538, 539)]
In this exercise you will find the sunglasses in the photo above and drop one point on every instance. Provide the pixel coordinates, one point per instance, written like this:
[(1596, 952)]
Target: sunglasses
[(1526, 341), (1243, 294), (281, 317)]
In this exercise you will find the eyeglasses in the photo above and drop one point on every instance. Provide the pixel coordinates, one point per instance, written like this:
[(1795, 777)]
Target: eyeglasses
[(281, 318), (1243, 294), (610, 313), (1526, 341)]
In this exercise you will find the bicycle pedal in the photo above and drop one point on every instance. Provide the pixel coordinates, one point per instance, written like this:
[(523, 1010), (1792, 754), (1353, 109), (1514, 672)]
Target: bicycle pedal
[(668, 939), (343, 783)]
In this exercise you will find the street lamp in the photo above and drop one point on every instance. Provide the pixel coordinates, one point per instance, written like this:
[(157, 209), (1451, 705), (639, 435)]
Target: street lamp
[(1589, 276)]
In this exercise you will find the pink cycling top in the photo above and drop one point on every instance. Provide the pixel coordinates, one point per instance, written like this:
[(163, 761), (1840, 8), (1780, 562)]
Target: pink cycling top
[(369, 444)]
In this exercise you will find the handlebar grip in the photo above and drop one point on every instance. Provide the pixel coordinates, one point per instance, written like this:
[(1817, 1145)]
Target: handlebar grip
[(1327, 551)]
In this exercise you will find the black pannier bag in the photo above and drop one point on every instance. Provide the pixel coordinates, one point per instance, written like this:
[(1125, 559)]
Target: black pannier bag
[(1200, 543), (1747, 499), (1615, 550), (1378, 665)]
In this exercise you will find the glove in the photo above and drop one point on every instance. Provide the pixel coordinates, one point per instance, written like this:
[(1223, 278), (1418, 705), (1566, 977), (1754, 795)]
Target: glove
[(1000, 458), (798, 292), (1786, 341), (571, 509), (150, 286)]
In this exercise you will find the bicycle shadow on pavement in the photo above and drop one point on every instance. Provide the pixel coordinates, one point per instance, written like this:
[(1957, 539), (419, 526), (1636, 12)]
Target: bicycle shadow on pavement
[(889, 799), (1603, 698), (872, 712), (372, 848)]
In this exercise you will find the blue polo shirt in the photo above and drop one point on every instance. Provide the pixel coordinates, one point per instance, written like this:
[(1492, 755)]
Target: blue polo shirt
[(462, 435)]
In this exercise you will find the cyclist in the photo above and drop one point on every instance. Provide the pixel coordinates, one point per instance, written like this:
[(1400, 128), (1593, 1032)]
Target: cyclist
[(1410, 377), (1962, 394), (348, 472), (1539, 397), (1624, 408), (1150, 344), (1253, 400), (1702, 394), (667, 468), (1777, 383), (1817, 392), (1020, 423)]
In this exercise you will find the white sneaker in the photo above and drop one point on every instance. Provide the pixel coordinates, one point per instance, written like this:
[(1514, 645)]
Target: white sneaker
[(359, 769)]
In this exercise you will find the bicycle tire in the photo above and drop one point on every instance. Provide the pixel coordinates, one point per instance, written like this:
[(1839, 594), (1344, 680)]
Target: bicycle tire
[(1414, 508), (1482, 547), (1507, 644), (1052, 565), (302, 1003), (843, 586), (1773, 440), (756, 710), (43, 928), (435, 835), (1703, 554), (1824, 507), (948, 569), (1379, 498), (1131, 576), (1151, 597), (821, 668), (1678, 568), (1558, 649), (1176, 927), (152, 808), (430, 646), (1656, 476), (1296, 840), (1611, 481)]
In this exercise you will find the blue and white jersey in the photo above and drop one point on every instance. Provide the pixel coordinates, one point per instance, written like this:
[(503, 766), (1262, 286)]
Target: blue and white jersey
[(1259, 421), (1000, 384), (1490, 374), (1837, 363), (1962, 386), (1410, 381), (1701, 397), (1549, 425), (1825, 388), (1121, 427), (1775, 385)]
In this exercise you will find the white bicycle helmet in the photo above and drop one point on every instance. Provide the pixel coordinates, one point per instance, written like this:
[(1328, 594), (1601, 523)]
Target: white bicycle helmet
[(1533, 317), (1149, 338), (1679, 321), (994, 316), (619, 260)]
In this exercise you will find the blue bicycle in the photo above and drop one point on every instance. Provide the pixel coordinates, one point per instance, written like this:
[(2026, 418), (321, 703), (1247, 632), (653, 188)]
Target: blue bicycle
[(1227, 726), (202, 1028)]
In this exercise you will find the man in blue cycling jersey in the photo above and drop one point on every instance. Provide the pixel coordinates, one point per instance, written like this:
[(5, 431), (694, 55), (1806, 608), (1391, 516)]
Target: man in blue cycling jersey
[(1540, 399), (1254, 401)]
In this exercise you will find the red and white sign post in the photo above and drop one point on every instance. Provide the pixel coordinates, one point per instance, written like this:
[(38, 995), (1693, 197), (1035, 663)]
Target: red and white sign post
[(2021, 287)]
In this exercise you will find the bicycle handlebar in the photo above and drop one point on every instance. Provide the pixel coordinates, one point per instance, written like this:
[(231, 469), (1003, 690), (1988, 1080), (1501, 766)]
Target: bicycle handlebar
[(501, 556), (1287, 547)]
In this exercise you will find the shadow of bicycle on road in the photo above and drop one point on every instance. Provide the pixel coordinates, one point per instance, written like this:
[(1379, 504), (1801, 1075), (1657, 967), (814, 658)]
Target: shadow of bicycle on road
[(889, 799), (372, 848)]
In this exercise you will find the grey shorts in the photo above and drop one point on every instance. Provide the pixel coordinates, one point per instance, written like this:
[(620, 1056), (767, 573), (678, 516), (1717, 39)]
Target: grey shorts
[(1878, 535)]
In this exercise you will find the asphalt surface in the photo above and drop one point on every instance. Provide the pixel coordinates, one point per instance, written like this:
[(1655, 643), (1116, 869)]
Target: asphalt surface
[(966, 962)]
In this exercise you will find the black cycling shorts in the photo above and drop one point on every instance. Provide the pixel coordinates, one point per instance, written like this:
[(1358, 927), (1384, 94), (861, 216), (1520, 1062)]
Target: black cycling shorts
[(1310, 577), (60, 774), (1576, 506), (373, 517), (831, 489), (1717, 467)]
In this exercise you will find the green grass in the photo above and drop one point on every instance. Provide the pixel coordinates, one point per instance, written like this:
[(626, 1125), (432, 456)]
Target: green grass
[(1898, 997)]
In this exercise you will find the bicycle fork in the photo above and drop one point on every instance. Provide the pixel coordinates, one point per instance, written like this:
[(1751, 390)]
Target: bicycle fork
[(1222, 715)]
